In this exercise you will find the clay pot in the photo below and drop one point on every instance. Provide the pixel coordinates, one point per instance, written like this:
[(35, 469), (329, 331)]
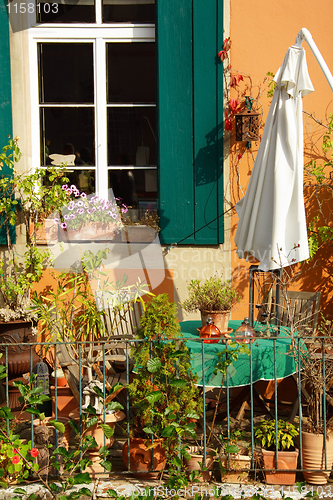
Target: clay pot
[(196, 462), (236, 473), (61, 379), (286, 460), (17, 334), (220, 319), (313, 454), (96, 431), (46, 232), (141, 457)]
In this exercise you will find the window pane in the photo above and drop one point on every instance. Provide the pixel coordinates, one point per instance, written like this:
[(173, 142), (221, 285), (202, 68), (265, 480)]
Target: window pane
[(66, 11), (135, 188), (66, 73), (128, 11), (67, 131), (131, 136), (84, 180), (131, 73)]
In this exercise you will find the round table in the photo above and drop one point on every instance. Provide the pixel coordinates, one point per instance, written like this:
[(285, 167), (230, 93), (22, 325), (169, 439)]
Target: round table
[(239, 373)]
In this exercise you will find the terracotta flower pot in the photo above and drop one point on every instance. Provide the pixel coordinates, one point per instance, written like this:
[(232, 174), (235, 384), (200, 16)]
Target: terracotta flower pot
[(220, 319), (196, 463), (313, 454), (17, 334), (46, 232), (141, 457), (236, 473), (96, 431), (286, 460)]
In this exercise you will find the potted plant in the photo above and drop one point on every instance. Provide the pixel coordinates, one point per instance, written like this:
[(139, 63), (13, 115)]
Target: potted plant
[(70, 313), (88, 217), (163, 394), (22, 198), (317, 425), (214, 298), (278, 450), (234, 459)]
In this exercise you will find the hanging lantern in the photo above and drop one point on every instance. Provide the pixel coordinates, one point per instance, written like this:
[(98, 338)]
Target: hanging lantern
[(42, 377), (247, 123)]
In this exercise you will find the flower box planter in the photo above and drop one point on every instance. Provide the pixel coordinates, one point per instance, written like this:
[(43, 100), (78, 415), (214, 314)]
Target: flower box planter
[(138, 234), (287, 461), (96, 231)]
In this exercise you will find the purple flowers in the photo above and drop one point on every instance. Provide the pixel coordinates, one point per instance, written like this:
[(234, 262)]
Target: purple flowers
[(88, 209)]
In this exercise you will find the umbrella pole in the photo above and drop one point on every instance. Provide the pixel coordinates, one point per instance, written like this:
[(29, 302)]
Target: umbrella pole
[(305, 34)]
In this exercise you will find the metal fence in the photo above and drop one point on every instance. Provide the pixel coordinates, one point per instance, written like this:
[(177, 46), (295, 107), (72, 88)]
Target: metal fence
[(306, 364)]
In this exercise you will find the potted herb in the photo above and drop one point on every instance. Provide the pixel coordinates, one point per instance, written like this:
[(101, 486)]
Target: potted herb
[(277, 441), (163, 394), (214, 298)]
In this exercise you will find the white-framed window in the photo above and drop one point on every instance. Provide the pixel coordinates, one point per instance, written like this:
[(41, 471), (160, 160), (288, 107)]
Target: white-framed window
[(93, 95)]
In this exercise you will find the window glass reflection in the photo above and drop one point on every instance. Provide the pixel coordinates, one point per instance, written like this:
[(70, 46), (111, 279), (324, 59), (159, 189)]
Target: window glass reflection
[(136, 188), (131, 73), (128, 11), (131, 136), (67, 131), (66, 73), (66, 11)]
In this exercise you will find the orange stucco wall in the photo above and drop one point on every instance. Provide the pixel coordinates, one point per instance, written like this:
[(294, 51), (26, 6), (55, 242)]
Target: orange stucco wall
[(261, 32)]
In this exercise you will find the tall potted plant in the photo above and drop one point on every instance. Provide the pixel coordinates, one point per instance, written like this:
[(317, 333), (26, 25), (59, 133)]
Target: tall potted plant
[(22, 198), (163, 394), (214, 298), (278, 437), (317, 426)]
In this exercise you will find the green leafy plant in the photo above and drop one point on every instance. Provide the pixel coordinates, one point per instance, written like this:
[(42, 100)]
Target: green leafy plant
[(71, 314), (163, 394), (24, 197), (272, 434), (213, 294)]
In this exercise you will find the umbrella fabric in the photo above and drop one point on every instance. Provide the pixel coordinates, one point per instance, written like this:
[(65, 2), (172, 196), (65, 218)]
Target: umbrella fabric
[(272, 224)]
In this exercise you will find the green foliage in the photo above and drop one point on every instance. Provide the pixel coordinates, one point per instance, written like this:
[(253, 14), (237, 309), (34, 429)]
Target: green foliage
[(271, 436), (271, 84), (163, 393), (214, 294), (25, 197), (318, 183)]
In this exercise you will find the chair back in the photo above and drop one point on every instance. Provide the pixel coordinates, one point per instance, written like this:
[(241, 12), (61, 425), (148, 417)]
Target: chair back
[(298, 309)]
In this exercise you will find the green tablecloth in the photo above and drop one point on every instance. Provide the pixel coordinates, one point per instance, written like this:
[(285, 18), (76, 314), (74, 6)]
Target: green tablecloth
[(239, 373)]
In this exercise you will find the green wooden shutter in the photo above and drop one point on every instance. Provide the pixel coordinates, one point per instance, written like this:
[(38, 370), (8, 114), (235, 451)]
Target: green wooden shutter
[(190, 115), (5, 98)]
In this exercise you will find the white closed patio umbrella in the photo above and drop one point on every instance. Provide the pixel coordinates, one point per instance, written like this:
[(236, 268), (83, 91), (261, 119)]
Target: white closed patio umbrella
[(272, 224)]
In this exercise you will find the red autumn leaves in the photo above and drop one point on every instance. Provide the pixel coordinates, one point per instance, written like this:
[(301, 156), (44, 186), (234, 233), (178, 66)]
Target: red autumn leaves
[(234, 104)]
